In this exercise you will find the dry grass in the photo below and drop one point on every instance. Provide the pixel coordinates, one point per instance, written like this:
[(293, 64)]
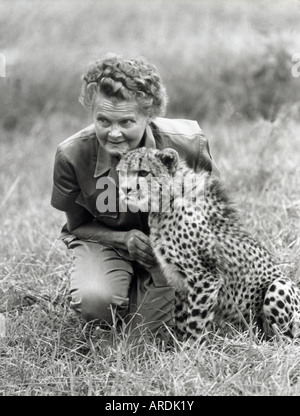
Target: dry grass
[(45, 351), (217, 58)]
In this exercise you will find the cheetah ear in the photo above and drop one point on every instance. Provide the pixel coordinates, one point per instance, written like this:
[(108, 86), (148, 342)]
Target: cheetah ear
[(170, 158)]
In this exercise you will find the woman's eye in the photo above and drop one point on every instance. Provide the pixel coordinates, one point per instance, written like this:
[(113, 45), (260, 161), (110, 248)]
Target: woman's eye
[(103, 121), (143, 173), (127, 123)]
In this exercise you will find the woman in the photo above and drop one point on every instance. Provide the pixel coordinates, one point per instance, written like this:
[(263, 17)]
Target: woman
[(114, 271)]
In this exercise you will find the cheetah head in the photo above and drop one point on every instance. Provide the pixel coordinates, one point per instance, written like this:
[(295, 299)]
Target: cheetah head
[(144, 175)]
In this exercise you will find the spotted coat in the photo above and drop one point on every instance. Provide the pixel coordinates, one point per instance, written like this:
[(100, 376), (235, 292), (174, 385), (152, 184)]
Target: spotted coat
[(220, 272)]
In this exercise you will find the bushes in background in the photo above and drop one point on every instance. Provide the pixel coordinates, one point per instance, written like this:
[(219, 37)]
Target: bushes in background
[(217, 60)]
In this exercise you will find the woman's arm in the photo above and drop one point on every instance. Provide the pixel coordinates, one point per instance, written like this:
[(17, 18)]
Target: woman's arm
[(80, 223), (135, 245)]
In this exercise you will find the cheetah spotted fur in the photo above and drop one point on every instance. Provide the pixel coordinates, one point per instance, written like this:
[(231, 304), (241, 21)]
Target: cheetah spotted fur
[(219, 272)]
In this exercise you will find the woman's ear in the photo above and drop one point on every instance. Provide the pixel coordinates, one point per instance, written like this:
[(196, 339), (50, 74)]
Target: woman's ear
[(170, 158)]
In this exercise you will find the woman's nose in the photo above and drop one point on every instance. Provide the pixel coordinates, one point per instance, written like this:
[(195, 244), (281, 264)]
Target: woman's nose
[(114, 132)]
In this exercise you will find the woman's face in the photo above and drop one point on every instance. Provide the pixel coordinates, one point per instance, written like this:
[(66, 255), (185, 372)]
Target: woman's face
[(119, 125)]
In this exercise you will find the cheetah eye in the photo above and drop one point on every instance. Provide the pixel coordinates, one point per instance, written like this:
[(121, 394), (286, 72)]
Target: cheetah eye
[(143, 173)]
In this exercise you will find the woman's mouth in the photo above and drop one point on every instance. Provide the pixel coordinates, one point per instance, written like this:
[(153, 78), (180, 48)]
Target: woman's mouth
[(116, 143)]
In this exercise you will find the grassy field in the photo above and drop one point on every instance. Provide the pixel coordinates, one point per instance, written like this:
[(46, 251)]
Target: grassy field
[(227, 66)]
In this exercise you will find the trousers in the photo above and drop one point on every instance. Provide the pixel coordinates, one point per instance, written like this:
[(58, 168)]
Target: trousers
[(103, 282)]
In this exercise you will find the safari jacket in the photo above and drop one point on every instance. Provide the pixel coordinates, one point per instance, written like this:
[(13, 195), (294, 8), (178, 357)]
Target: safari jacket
[(80, 161)]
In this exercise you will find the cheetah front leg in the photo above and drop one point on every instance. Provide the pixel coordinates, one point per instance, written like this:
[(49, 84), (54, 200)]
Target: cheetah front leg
[(202, 302), (180, 314)]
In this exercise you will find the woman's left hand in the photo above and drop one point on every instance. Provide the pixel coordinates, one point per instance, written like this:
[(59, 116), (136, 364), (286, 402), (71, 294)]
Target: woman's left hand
[(139, 248)]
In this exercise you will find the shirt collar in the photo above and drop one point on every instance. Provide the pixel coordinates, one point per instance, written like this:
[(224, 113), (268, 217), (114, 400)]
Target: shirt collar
[(103, 160)]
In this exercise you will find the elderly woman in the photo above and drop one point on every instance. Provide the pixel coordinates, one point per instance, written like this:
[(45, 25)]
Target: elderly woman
[(114, 271)]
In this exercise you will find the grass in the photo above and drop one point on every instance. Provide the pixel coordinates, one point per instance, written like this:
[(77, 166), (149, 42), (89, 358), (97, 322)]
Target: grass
[(216, 58), (45, 351)]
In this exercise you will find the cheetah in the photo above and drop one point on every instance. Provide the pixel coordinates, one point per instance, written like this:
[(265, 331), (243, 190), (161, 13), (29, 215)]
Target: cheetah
[(220, 273)]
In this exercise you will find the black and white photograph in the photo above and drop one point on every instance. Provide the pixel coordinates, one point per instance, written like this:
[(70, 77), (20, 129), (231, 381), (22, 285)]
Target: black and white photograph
[(150, 200)]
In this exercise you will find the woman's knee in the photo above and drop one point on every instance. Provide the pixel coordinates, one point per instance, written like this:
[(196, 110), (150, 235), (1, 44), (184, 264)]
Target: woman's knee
[(97, 305), (100, 280)]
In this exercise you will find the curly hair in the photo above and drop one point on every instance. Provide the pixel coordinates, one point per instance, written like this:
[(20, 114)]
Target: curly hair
[(125, 79)]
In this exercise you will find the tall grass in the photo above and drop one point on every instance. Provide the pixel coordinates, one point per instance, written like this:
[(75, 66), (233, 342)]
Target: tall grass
[(223, 65)]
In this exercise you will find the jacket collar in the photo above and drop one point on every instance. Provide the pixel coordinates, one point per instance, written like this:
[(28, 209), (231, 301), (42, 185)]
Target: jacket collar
[(103, 161)]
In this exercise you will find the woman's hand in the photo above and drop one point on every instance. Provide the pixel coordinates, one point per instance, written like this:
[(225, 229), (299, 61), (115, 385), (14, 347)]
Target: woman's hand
[(139, 248)]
